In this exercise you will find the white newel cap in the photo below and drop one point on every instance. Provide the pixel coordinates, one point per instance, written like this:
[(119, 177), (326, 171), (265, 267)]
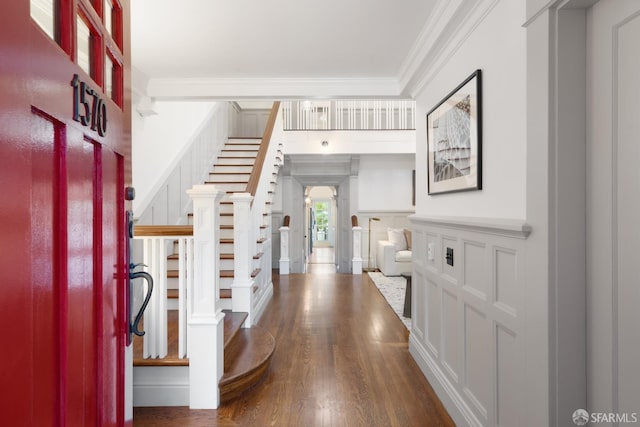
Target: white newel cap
[(204, 191), (241, 197)]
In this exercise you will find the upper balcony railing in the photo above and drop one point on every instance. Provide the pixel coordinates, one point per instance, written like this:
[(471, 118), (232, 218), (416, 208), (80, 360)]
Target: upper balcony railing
[(349, 115)]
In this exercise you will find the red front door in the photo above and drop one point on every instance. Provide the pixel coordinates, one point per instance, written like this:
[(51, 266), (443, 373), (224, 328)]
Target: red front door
[(65, 160)]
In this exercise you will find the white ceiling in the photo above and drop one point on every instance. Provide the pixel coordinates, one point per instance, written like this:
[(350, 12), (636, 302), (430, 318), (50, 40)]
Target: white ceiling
[(257, 49)]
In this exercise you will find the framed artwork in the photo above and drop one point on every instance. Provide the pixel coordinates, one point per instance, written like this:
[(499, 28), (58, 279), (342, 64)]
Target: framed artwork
[(454, 139)]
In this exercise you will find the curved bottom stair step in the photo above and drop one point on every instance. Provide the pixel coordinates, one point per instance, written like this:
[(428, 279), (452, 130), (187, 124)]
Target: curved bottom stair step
[(246, 361)]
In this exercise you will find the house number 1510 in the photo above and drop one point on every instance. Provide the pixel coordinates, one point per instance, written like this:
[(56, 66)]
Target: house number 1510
[(88, 108)]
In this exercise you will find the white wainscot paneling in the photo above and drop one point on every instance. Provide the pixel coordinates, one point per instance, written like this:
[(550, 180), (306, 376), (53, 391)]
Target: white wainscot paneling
[(477, 357), (508, 379), (469, 336), (419, 293), (433, 317), (450, 334), (508, 294), (474, 268)]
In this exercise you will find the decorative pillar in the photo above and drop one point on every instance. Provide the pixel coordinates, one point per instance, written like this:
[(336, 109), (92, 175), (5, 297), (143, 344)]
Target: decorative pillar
[(205, 332), (243, 248), (284, 250), (356, 262)]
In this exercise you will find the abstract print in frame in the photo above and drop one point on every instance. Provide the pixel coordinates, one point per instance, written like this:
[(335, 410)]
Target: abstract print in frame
[(454, 139)]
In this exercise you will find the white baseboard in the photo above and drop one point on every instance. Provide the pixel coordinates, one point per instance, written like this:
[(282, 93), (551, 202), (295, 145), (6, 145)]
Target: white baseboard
[(261, 304), (458, 409), (161, 386)]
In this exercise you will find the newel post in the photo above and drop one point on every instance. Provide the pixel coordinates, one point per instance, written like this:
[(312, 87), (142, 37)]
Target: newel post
[(284, 250), (243, 248), (205, 324), (356, 262)]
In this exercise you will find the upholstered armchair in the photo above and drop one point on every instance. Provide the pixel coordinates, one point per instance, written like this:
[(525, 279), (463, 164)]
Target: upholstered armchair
[(393, 256)]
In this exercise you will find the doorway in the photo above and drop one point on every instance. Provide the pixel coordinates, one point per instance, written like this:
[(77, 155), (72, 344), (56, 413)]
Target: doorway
[(320, 223)]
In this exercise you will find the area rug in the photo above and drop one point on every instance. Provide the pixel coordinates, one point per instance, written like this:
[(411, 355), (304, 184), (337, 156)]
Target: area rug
[(393, 290)]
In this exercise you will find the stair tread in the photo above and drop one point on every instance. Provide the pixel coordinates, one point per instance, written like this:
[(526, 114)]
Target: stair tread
[(246, 361)]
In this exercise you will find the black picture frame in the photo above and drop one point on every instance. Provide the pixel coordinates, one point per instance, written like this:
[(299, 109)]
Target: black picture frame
[(454, 139)]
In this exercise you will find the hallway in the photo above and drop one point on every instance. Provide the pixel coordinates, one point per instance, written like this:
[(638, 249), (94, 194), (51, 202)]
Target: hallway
[(322, 261), (341, 359)]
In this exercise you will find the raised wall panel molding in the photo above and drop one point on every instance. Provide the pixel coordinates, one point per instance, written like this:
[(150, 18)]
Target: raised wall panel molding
[(469, 319)]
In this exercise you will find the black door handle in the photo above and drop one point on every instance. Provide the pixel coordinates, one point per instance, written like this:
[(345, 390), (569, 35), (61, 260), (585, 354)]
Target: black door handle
[(133, 327)]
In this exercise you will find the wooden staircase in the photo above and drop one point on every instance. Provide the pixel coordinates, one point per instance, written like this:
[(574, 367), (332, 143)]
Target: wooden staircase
[(231, 174), (247, 350)]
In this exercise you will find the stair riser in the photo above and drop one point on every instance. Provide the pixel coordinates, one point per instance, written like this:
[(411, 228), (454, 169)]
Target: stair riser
[(226, 220), (234, 153), (231, 161), (226, 282), (226, 234), (225, 303), (228, 177), (226, 187), (233, 168), (226, 248), (241, 147), (226, 264)]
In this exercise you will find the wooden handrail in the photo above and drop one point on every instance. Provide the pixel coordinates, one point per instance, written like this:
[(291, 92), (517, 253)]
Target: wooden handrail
[(252, 185), (287, 220), (354, 221), (163, 230)]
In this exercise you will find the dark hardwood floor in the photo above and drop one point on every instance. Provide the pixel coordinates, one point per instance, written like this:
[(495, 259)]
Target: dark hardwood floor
[(341, 359)]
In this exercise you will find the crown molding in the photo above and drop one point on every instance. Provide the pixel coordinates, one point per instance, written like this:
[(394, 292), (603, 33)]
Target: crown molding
[(451, 23), (272, 88)]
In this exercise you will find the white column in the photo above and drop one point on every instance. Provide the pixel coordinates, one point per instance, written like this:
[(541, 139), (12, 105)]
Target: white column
[(356, 262), (243, 248), (205, 333), (284, 250)]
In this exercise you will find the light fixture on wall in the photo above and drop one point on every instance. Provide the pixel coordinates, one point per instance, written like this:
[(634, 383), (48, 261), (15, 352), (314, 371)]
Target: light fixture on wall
[(369, 248), (325, 143)]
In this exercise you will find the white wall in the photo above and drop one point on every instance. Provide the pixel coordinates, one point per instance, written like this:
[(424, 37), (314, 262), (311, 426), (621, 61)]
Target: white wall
[(497, 47), (158, 140), (385, 182), (471, 321)]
